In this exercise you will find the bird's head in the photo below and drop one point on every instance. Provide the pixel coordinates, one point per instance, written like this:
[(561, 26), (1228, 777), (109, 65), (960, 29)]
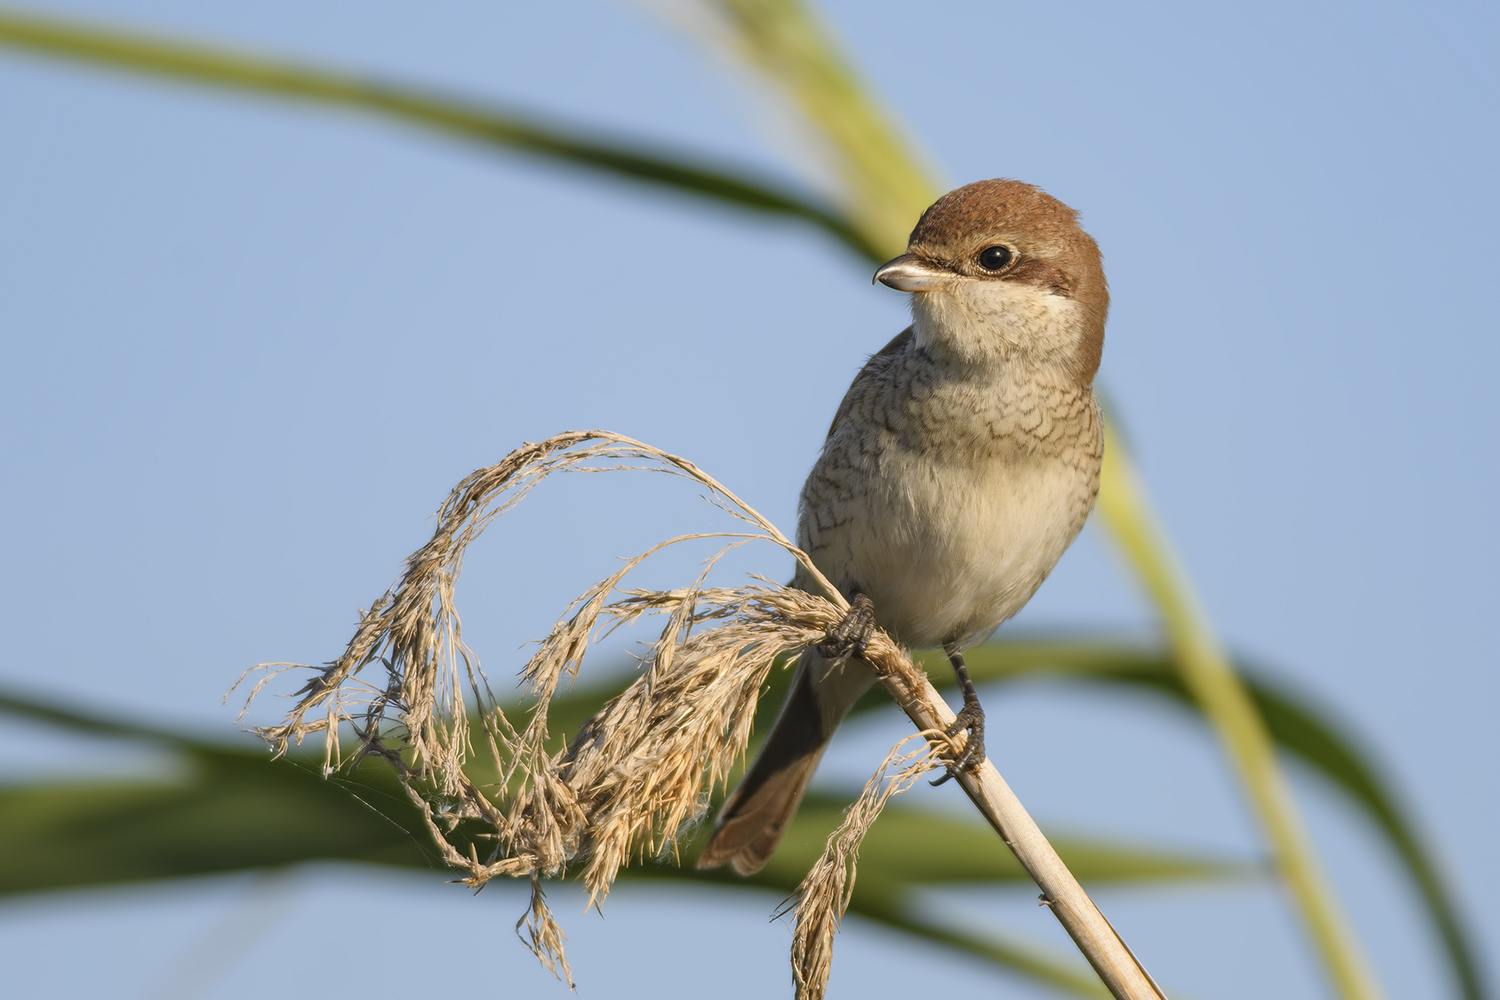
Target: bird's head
[(1001, 272)]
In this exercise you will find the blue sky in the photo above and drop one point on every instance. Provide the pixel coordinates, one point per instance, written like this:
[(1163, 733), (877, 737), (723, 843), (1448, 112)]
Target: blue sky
[(248, 347)]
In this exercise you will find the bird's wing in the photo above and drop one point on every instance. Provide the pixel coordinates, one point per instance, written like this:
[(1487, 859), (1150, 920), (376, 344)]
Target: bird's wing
[(877, 361)]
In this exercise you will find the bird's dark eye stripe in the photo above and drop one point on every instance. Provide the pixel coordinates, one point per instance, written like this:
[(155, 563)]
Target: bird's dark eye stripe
[(995, 258)]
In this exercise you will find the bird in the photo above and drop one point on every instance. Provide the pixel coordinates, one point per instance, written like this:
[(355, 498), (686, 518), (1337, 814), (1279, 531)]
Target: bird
[(960, 465)]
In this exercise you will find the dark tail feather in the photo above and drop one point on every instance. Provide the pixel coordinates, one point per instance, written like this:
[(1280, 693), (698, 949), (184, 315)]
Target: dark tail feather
[(746, 837), (753, 819)]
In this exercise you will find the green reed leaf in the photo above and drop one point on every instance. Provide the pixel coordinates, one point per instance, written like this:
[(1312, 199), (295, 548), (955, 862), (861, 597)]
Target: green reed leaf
[(515, 132), (233, 809)]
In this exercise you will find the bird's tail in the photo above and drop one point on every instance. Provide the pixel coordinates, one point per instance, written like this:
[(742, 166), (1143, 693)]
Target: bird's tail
[(753, 818)]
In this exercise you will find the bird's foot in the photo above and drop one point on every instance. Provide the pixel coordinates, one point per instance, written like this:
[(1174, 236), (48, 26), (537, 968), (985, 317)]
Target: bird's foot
[(849, 636), (970, 720)]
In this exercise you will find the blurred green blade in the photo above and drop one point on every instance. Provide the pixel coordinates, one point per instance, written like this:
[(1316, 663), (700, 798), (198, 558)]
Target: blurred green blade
[(785, 43), (512, 132), (224, 808), (71, 835), (914, 846), (1299, 728), (234, 809), (232, 812), (1025, 958)]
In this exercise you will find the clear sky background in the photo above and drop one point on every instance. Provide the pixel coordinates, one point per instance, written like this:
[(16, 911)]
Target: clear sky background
[(246, 347)]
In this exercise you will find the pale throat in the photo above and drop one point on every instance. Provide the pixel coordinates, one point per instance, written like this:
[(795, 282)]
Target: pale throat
[(999, 323)]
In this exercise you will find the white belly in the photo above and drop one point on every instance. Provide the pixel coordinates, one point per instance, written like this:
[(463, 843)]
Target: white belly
[(947, 551)]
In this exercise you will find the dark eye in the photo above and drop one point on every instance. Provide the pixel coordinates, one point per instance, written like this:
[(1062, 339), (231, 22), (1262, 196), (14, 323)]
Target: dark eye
[(995, 258)]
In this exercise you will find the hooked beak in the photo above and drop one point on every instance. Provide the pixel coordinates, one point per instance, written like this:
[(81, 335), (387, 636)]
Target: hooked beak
[(909, 273)]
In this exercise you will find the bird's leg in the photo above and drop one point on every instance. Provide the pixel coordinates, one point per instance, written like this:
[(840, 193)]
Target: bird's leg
[(970, 718), (849, 636)]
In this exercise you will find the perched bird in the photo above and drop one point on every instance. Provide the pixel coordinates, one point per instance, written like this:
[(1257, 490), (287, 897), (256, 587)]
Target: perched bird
[(961, 463)]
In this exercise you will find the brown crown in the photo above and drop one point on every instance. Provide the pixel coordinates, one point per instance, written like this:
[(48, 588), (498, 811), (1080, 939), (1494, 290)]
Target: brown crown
[(1054, 252)]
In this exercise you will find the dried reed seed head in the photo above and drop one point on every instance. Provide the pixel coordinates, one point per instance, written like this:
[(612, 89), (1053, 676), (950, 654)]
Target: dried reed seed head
[(639, 771)]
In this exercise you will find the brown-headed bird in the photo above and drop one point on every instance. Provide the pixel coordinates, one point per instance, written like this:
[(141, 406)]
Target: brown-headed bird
[(961, 463)]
